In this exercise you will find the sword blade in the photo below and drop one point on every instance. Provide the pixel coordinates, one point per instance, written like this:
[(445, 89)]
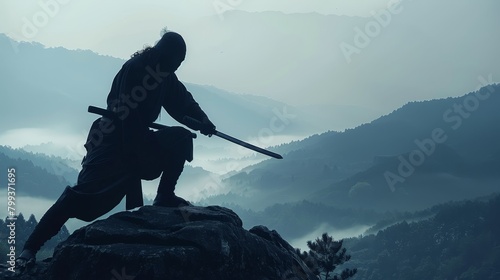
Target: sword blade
[(248, 145)]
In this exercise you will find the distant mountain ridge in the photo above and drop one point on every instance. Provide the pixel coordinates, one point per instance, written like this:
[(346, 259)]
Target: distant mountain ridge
[(328, 166), (52, 164), (61, 83), (34, 180)]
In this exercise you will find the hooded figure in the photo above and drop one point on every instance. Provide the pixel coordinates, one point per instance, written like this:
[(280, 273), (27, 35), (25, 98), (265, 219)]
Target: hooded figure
[(123, 150)]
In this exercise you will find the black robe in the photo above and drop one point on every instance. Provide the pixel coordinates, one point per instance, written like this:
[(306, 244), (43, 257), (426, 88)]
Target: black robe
[(115, 148)]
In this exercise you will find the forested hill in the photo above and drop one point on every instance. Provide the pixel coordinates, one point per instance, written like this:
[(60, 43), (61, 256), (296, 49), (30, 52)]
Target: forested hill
[(45, 179), (461, 241)]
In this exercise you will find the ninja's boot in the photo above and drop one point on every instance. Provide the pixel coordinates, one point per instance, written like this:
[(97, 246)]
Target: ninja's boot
[(170, 200), (26, 260), (165, 195)]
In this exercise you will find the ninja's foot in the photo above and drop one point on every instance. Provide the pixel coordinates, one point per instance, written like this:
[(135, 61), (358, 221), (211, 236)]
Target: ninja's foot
[(170, 200), (26, 260)]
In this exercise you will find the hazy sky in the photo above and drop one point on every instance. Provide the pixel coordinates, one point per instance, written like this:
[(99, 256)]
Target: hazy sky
[(96, 22), (422, 50)]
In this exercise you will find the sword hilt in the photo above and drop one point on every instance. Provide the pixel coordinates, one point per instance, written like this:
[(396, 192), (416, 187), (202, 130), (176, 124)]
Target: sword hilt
[(192, 122)]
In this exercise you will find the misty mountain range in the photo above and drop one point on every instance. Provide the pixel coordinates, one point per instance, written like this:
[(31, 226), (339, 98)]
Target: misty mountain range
[(428, 50), (377, 179), (419, 155), (368, 167), (425, 59), (348, 169), (54, 86), (338, 168)]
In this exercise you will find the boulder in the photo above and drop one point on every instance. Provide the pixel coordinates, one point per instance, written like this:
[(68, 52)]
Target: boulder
[(175, 243)]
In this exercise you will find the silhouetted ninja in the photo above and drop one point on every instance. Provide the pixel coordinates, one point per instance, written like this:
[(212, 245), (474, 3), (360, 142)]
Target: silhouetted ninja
[(123, 150)]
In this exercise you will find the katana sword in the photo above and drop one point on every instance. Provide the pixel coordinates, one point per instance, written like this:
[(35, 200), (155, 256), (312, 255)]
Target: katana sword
[(195, 124), (247, 145)]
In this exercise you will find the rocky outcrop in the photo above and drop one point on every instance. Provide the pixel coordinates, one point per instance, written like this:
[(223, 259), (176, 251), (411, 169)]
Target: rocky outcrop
[(175, 243)]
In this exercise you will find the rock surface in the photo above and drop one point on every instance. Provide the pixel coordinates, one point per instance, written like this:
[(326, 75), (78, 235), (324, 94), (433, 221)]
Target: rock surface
[(173, 243)]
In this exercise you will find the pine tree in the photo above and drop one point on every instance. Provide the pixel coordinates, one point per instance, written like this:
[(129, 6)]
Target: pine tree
[(325, 255)]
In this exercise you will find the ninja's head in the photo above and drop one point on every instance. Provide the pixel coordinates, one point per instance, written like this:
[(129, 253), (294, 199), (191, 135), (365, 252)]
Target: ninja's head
[(172, 50)]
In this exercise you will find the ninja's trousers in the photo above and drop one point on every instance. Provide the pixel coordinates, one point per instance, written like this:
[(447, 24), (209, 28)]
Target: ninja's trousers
[(107, 176)]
